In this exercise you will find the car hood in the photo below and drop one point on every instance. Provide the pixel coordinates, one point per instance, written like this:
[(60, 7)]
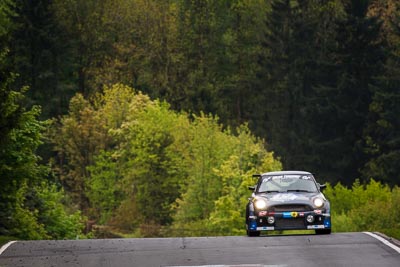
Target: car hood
[(290, 198)]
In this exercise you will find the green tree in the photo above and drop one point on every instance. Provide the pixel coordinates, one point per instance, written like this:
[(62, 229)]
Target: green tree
[(30, 207), (249, 158), (360, 57), (152, 168), (236, 66), (105, 190), (209, 146), (78, 138), (196, 31), (136, 47), (289, 66), (221, 164), (57, 219), (6, 24), (382, 133), (111, 198), (83, 23), (148, 165), (317, 87), (41, 56), (117, 148), (19, 138), (20, 168)]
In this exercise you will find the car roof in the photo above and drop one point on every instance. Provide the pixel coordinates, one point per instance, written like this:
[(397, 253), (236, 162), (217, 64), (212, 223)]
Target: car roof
[(286, 172)]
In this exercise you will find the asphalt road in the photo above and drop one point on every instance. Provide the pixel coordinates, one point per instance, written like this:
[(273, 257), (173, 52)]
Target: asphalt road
[(342, 249)]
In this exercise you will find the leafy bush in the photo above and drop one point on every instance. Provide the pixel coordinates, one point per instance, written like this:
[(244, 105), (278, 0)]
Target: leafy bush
[(368, 207), (25, 220), (52, 214)]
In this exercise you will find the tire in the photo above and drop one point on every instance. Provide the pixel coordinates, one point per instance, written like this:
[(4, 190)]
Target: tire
[(253, 233), (323, 231)]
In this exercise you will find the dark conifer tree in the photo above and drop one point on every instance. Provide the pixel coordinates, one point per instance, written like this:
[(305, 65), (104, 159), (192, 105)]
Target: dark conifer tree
[(356, 59), (316, 84), (287, 78), (382, 134), (40, 55)]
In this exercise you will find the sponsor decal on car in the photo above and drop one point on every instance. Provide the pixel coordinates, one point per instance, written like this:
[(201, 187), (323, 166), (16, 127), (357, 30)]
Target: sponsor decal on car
[(284, 197), (318, 211), (267, 228), (286, 215), (292, 214)]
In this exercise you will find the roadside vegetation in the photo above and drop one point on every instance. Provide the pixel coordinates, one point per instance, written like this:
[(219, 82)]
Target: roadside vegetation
[(136, 165), (148, 117), (365, 207)]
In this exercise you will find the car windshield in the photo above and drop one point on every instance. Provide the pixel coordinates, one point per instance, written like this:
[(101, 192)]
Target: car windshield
[(287, 183)]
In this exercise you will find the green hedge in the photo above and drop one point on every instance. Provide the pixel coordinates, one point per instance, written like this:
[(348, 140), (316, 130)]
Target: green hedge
[(365, 207)]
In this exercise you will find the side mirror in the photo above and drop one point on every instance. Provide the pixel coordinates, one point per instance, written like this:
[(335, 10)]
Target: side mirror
[(322, 187), (256, 175), (252, 188)]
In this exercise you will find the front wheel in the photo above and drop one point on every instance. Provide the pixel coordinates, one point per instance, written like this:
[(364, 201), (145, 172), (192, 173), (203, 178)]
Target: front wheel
[(253, 233), (323, 231)]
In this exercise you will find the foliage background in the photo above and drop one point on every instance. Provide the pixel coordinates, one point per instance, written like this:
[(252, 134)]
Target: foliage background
[(148, 117)]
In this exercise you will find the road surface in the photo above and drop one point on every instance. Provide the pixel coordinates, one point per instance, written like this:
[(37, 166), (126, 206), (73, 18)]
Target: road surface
[(339, 249)]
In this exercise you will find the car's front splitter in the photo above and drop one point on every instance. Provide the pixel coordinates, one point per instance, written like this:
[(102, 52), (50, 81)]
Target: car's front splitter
[(309, 227), (291, 221)]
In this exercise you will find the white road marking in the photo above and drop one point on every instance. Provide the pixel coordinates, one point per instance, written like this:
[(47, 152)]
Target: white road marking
[(384, 241), (3, 248)]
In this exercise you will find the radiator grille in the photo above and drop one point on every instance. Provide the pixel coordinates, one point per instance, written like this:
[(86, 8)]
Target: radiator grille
[(281, 208), (292, 223)]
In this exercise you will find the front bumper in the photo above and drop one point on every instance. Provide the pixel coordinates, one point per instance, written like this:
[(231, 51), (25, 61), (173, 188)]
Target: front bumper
[(270, 221)]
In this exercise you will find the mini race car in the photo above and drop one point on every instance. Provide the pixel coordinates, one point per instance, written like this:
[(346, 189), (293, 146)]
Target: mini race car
[(287, 200)]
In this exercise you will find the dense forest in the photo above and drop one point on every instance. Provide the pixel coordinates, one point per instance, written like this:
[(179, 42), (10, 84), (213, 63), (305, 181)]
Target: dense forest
[(148, 117)]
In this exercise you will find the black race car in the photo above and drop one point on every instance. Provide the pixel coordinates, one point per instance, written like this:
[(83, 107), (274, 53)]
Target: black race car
[(287, 200)]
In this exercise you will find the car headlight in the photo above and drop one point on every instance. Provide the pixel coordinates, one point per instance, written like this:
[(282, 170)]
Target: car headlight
[(318, 202), (260, 204)]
